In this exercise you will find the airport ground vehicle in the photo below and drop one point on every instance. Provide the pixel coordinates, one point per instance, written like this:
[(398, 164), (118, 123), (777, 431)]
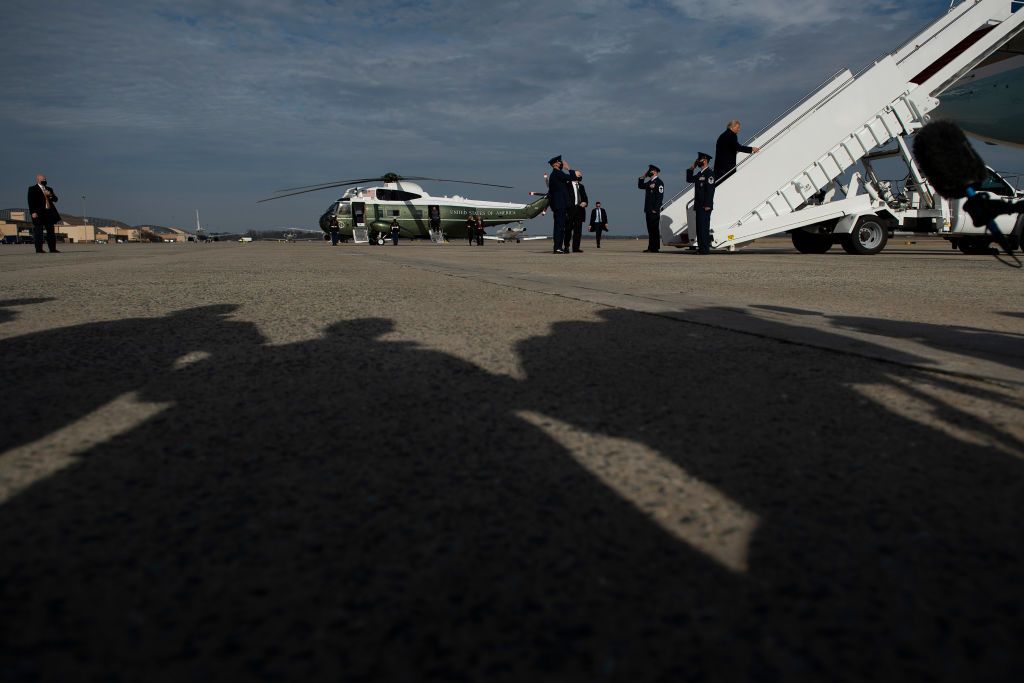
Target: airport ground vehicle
[(791, 184), (873, 209)]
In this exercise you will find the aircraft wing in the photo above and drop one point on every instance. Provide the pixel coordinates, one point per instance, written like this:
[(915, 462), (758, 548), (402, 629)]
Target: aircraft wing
[(538, 237), (492, 237)]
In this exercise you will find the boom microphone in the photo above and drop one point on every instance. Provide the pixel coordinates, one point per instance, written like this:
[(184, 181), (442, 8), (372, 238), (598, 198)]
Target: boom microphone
[(947, 159), (951, 165)]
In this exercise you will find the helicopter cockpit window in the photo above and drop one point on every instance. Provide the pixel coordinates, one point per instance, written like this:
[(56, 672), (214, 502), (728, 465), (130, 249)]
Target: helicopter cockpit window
[(345, 209), (396, 195), (995, 185)]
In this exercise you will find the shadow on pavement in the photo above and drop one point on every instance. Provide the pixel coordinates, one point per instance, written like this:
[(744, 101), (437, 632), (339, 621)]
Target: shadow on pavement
[(330, 510), (995, 346), (6, 314)]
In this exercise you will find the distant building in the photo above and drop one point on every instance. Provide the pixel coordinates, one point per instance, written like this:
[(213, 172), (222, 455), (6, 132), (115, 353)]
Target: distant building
[(76, 233), (163, 233), (16, 226), (116, 234)]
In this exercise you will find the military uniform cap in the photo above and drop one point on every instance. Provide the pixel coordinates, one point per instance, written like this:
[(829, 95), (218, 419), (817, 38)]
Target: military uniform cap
[(652, 167), (555, 160), (701, 156)]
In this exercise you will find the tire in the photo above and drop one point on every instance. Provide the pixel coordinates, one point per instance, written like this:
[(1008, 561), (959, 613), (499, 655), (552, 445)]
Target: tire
[(869, 236), (1016, 238), (975, 246), (811, 243)]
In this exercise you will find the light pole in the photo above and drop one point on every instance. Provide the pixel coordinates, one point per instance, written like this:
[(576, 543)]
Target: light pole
[(85, 220)]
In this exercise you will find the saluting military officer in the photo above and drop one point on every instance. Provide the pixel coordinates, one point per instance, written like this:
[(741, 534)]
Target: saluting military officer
[(559, 198), (703, 179), (654, 195)]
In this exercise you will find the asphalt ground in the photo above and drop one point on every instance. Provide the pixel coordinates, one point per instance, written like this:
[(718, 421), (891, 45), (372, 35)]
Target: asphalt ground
[(278, 461)]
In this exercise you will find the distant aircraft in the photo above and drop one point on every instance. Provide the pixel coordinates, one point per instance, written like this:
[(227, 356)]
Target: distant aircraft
[(365, 213), (200, 232), (988, 102), (515, 232)]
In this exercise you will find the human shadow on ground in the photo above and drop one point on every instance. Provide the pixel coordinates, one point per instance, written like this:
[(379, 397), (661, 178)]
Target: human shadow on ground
[(333, 509), (6, 306)]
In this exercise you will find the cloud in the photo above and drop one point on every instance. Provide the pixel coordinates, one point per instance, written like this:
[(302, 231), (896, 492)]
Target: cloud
[(775, 15), (203, 98)]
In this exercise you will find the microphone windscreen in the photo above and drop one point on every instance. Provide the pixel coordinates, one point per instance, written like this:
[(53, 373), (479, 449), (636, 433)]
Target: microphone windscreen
[(947, 159)]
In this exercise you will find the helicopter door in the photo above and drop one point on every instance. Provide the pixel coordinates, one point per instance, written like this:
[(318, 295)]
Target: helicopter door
[(434, 224), (359, 232)]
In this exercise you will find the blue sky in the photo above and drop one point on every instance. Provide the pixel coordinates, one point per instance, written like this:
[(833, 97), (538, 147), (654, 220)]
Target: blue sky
[(155, 109)]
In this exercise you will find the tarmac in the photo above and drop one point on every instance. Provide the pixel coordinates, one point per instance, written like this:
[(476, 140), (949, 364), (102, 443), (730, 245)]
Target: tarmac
[(292, 461)]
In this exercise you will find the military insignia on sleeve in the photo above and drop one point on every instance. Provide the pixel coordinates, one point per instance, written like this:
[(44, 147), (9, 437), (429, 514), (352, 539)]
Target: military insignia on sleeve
[(661, 188), (711, 180)]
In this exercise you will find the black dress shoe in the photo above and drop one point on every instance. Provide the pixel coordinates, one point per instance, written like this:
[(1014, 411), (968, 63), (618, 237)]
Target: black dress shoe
[(577, 251), (558, 251), (650, 251), (55, 251)]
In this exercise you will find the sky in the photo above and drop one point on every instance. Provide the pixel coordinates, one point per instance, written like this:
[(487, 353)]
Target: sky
[(155, 109)]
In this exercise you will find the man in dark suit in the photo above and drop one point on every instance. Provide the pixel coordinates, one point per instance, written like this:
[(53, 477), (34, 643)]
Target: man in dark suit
[(703, 180), (559, 199), (41, 201), (577, 213), (598, 222), (725, 151), (654, 195)]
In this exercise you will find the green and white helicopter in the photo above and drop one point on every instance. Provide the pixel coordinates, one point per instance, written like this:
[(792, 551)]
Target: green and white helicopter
[(364, 214)]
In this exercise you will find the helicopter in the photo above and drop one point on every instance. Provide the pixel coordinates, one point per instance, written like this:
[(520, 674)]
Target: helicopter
[(364, 213)]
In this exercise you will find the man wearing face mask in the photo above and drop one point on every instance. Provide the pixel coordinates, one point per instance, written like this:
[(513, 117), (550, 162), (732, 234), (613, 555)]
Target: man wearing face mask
[(654, 194), (576, 215), (703, 179), (559, 199), (41, 204)]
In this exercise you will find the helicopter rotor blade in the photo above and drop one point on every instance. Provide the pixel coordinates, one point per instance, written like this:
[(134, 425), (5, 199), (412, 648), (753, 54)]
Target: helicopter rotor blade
[(314, 189), (333, 183), (467, 182), (390, 178)]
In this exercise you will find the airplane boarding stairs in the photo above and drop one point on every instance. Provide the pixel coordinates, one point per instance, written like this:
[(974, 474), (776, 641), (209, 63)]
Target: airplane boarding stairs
[(840, 123)]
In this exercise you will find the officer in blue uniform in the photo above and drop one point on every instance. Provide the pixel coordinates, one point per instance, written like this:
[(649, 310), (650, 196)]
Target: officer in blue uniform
[(559, 199), (654, 195), (703, 179)]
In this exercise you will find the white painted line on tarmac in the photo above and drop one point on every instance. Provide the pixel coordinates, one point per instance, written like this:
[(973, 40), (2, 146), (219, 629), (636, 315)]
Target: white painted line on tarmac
[(694, 512)]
